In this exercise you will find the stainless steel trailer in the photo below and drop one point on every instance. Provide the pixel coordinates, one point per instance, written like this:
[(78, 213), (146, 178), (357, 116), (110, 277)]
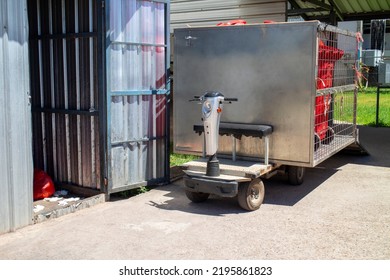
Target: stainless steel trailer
[(299, 78)]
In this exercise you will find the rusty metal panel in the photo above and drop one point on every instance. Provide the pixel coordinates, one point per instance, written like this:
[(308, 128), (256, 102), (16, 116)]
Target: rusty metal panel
[(16, 166)]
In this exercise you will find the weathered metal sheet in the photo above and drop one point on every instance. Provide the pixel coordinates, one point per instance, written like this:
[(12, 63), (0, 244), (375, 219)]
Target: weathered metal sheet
[(210, 12), (272, 75), (137, 64), (16, 166)]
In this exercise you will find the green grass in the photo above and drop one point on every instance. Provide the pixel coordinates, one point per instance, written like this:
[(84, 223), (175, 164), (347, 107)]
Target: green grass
[(178, 159), (131, 193), (366, 107)]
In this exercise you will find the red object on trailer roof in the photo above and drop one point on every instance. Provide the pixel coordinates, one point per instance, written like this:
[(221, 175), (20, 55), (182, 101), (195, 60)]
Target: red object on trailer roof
[(232, 22)]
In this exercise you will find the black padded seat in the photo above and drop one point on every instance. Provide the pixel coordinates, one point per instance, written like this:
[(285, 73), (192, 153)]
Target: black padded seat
[(239, 129)]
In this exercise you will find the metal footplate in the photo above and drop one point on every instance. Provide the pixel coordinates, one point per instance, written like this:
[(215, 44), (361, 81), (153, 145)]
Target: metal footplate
[(226, 185)]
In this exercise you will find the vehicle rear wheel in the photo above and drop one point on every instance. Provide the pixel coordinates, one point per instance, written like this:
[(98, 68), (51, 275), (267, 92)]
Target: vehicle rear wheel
[(296, 175), (197, 197), (251, 195)]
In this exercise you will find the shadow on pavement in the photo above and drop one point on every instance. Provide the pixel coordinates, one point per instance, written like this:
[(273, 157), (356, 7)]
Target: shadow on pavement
[(278, 191), (177, 201)]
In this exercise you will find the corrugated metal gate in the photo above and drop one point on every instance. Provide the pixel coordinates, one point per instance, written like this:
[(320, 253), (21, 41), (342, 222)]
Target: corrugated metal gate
[(16, 166), (99, 87), (137, 88)]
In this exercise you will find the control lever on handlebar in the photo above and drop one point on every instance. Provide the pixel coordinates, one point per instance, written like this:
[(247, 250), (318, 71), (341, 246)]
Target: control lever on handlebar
[(227, 100), (230, 100)]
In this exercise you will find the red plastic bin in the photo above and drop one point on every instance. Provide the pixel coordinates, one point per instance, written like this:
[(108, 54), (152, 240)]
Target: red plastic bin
[(327, 56)]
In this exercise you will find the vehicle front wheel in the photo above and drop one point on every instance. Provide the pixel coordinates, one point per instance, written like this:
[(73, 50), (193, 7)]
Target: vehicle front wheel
[(251, 195)]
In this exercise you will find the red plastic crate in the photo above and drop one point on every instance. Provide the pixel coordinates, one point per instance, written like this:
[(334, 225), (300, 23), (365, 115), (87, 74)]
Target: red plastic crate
[(327, 56)]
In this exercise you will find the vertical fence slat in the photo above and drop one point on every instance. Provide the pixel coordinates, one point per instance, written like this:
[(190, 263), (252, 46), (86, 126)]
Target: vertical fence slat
[(66, 92)]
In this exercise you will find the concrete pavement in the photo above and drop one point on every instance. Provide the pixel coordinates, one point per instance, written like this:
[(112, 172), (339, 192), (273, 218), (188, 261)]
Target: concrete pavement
[(342, 211)]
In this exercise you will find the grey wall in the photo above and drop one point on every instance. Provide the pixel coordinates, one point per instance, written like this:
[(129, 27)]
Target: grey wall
[(16, 167)]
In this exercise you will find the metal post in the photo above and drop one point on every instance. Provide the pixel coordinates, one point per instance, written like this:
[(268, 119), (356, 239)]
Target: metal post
[(167, 168), (233, 148), (355, 92), (377, 106), (204, 146), (102, 101), (266, 150)]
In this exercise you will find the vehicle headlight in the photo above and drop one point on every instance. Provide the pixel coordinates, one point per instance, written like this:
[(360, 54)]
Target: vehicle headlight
[(206, 108)]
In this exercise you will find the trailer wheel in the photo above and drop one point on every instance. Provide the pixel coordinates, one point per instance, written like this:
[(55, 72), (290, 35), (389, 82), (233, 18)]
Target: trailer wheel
[(197, 197), (329, 136), (295, 175), (251, 195)]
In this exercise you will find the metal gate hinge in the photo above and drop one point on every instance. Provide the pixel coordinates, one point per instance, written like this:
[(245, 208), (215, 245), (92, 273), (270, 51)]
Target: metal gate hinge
[(189, 38)]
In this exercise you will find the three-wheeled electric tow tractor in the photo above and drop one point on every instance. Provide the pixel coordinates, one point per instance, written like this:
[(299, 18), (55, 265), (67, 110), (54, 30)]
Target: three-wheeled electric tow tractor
[(231, 177)]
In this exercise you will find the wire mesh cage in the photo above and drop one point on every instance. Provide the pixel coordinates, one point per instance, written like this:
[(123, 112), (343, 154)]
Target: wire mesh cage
[(335, 100)]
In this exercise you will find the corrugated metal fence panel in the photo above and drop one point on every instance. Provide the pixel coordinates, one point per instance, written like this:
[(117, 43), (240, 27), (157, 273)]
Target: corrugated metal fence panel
[(186, 13), (63, 48), (137, 88), (16, 167)]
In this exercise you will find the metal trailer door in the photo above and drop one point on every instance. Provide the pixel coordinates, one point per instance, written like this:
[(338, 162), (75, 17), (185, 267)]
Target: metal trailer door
[(270, 68), (137, 93)]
